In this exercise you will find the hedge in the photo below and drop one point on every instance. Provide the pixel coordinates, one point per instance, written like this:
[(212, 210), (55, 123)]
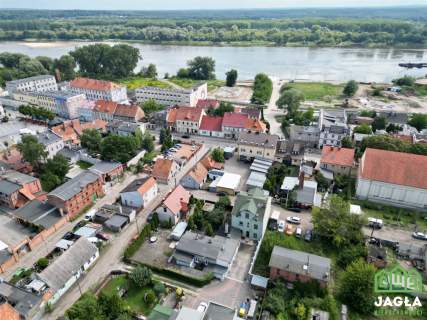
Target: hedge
[(135, 245)]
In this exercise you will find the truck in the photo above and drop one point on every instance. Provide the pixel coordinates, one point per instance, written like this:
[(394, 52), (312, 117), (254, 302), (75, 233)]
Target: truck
[(274, 220)]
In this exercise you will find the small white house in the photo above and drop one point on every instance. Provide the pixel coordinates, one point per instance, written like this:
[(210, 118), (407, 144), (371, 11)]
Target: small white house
[(175, 204), (139, 193)]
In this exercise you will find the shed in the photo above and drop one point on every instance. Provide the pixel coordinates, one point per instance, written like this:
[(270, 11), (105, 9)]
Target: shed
[(256, 180), (86, 232), (178, 231), (259, 282), (229, 152), (116, 223)]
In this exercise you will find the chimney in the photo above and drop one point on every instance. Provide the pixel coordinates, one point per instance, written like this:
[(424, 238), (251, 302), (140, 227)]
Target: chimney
[(301, 179)]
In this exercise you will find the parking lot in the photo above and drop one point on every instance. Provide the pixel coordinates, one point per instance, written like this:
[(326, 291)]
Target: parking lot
[(11, 232), (238, 167), (10, 131)]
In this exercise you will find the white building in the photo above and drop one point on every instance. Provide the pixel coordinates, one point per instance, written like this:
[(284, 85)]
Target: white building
[(41, 83), (64, 104), (333, 126), (173, 96), (139, 193), (99, 89), (52, 143), (393, 178), (62, 273)]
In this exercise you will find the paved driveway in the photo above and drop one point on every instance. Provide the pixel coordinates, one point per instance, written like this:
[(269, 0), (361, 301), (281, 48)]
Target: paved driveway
[(240, 268)]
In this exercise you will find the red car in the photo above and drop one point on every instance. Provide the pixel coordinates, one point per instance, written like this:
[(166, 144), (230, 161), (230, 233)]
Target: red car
[(103, 236)]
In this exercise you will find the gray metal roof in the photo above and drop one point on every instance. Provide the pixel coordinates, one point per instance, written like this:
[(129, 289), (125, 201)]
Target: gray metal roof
[(17, 177), (216, 248), (7, 187), (135, 185), (258, 139), (104, 167), (116, 221), (23, 301), (46, 138), (74, 186), (218, 312), (38, 213), (68, 264), (300, 262), (35, 78), (189, 314), (256, 179)]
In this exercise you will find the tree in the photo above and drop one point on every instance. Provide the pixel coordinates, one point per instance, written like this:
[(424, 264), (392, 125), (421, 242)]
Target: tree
[(91, 139), (356, 287), (363, 128), (389, 143), (141, 276), (322, 182), (32, 151), (182, 73), (209, 230), (149, 106), (379, 123), (166, 139), (418, 121), (336, 225), (66, 65), (351, 88), (150, 71), (346, 142), (47, 62), (118, 148), (352, 253), (42, 263), (147, 142), (291, 98), (159, 288), (263, 87), (223, 108), (406, 81), (85, 308), (393, 128), (49, 181), (112, 306), (218, 155), (150, 297), (201, 68), (231, 78)]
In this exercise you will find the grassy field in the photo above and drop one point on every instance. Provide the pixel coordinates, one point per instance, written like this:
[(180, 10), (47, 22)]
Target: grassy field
[(134, 297), (84, 165), (137, 82), (317, 90), (188, 83), (420, 90)]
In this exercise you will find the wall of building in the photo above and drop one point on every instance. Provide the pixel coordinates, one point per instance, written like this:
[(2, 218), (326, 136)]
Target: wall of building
[(343, 170), (165, 214), (291, 277), (392, 194), (249, 151)]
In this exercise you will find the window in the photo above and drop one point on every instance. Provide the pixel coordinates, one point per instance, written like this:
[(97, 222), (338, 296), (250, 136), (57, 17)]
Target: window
[(255, 226), (240, 223), (255, 235), (247, 215)]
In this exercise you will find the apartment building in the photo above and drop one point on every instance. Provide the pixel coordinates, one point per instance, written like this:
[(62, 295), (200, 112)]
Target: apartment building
[(256, 145), (173, 96), (64, 104), (42, 83), (99, 89)]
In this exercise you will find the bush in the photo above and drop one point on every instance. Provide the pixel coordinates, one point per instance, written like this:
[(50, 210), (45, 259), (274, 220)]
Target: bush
[(141, 276), (135, 245), (150, 297), (159, 288), (42, 263)]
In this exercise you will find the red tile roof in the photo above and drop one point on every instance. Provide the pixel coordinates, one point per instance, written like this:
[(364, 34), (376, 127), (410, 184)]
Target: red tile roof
[(207, 104), (105, 106), (177, 200), (162, 168), (234, 120), (70, 130), (209, 163), (171, 117), (189, 114), (394, 167), (129, 111), (211, 123), (93, 84), (198, 173), (337, 156), (255, 125)]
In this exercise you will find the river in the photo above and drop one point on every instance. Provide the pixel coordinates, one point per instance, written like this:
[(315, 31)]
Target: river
[(316, 64)]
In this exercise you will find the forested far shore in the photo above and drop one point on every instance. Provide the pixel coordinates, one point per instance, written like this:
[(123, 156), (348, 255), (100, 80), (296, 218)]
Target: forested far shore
[(282, 30)]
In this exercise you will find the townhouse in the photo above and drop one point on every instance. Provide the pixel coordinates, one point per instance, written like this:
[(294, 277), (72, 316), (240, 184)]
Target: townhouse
[(257, 145), (99, 89), (337, 160), (196, 177), (188, 119), (165, 170), (139, 193), (42, 83), (51, 142), (175, 205), (211, 127), (70, 131)]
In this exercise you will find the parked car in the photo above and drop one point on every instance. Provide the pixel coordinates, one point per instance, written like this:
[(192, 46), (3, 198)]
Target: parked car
[(294, 220), (375, 223), (103, 236), (289, 230), (281, 226), (295, 209), (153, 239), (90, 214), (308, 235), (185, 136), (203, 306), (298, 232), (68, 236), (419, 236)]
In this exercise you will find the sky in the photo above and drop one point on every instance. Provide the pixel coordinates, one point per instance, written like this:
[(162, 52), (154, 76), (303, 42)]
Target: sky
[(196, 4)]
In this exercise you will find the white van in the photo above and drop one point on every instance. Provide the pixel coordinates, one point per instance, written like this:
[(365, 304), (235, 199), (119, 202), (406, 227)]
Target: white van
[(90, 214), (375, 223)]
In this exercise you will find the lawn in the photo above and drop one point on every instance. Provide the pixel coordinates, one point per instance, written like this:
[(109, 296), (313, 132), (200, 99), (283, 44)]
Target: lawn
[(317, 90), (420, 90), (188, 83), (134, 296), (137, 82), (84, 165)]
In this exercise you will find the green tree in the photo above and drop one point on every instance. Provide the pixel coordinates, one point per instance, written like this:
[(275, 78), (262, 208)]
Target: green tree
[(393, 128), (346, 142), (147, 142), (91, 139), (47, 62), (218, 155), (418, 121), (209, 230), (112, 306), (291, 98), (231, 78), (150, 71), (405, 81), (183, 73), (379, 123), (150, 297), (351, 88), (66, 65), (201, 68), (322, 182), (352, 253), (31, 150), (263, 87), (363, 128), (49, 181), (166, 139), (223, 108), (141, 276), (118, 148), (336, 225), (151, 106), (159, 288), (85, 308), (58, 165), (42, 263), (356, 287)]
